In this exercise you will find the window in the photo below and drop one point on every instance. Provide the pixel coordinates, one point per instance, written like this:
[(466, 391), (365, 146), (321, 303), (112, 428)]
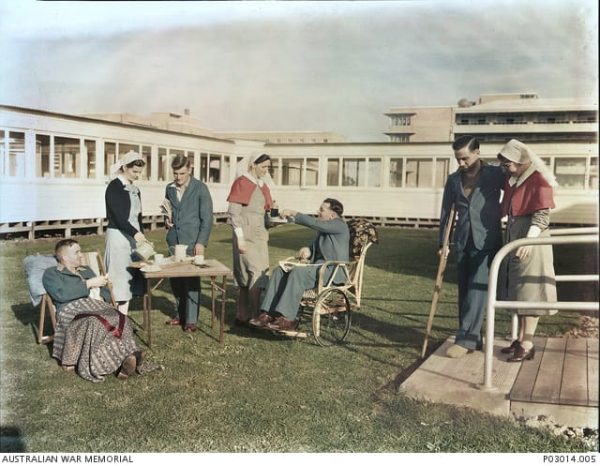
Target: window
[(16, 154), (353, 172), (395, 173), (274, 170), (593, 181), (418, 173), (400, 138), (214, 168), (333, 172), (124, 148), (401, 119), (110, 151), (291, 172), (163, 164), (442, 167), (312, 172), (147, 156), (570, 172), (66, 157), (90, 149), (203, 167), (226, 169), (190, 156), (374, 177), (42, 156)]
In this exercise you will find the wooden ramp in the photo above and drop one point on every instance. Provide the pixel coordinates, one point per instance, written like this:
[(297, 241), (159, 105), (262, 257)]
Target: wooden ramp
[(561, 381)]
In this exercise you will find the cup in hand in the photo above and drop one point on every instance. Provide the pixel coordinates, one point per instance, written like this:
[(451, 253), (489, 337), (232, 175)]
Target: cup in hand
[(199, 260), (274, 212)]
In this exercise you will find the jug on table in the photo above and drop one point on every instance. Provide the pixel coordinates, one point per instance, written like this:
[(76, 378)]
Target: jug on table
[(179, 251), (145, 250)]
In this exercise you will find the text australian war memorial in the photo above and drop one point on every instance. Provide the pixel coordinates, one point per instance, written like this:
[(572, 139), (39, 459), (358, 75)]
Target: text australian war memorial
[(60, 156)]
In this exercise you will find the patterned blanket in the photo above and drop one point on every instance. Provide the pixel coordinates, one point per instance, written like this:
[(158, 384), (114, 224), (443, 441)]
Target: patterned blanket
[(94, 337)]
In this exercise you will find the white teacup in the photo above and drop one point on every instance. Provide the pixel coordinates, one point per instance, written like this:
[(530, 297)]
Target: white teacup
[(199, 260), (159, 258)]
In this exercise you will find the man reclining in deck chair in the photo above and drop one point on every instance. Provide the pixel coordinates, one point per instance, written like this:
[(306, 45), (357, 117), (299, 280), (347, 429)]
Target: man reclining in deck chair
[(91, 336), (284, 292)]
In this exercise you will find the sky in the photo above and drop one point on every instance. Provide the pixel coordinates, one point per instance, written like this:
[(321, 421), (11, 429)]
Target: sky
[(278, 66)]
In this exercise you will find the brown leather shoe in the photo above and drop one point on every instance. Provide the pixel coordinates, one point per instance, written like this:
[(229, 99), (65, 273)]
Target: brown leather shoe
[(281, 323), (262, 320), (512, 348), (190, 328), (521, 354), (173, 322), (128, 367)]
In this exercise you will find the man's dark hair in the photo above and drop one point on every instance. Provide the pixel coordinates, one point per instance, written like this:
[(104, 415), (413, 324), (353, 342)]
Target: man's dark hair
[(64, 243), (335, 205), (136, 163), (466, 140), (180, 161)]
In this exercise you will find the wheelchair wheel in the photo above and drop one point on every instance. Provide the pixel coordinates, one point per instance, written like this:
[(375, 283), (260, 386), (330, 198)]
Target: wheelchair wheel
[(331, 317)]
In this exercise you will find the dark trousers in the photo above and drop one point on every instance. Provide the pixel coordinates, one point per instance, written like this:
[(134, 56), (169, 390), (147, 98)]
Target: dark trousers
[(473, 267), (187, 298), (285, 290)]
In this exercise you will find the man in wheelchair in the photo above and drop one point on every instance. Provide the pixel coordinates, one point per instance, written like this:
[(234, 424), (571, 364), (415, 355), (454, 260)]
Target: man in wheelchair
[(284, 292)]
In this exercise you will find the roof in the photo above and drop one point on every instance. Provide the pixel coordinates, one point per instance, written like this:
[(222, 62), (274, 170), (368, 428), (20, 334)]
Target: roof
[(531, 105)]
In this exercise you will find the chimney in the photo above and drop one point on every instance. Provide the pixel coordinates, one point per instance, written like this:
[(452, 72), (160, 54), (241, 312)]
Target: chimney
[(186, 111)]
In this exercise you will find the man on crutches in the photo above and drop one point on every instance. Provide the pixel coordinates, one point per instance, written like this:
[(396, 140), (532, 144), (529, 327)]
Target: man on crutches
[(474, 190)]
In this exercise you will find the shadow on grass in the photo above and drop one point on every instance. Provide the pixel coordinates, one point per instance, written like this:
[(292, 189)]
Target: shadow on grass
[(11, 440)]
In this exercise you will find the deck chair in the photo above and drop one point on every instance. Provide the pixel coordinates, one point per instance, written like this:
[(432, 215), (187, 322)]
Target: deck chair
[(94, 261), (330, 305)]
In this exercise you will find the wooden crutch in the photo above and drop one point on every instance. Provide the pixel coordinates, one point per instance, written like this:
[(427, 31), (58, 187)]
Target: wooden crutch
[(440, 276)]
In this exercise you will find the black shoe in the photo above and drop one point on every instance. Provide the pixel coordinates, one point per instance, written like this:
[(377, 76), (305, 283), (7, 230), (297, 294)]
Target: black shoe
[(512, 348), (521, 354)]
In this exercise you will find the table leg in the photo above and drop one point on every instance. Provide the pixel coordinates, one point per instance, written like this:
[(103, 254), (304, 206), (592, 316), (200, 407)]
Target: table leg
[(223, 299), (147, 309), (212, 307)]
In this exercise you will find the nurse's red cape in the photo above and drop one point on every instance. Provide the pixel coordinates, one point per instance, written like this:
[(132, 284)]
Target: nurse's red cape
[(242, 189), (533, 194)]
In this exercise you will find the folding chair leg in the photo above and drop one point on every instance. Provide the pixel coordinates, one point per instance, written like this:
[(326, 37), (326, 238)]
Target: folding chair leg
[(46, 304)]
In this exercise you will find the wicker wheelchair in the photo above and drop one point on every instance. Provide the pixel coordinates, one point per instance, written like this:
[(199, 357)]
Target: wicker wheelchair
[(330, 305)]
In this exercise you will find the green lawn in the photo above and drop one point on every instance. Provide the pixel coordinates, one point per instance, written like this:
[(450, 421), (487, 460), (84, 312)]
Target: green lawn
[(257, 392)]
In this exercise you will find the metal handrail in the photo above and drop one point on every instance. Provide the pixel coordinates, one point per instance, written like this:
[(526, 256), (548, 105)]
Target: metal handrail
[(561, 236)]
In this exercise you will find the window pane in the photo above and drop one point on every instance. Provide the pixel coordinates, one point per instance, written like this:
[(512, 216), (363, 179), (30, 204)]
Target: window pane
[(147, 169), (396, 173), (90, 148), (190, 156), (594, 173), (66, 157), (291, 172), (16, 154), (275, 169), (214, 169), (441, 172), (124, 148), (333, 172), (374, 173), (570, 172), (110, 150), (163, 164), (226, 169), (353, 173), (312, 172), (42, 156), (203, 166), (418, 173)]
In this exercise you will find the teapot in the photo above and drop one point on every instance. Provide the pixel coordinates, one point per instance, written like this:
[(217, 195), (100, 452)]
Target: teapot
[(145, 250)]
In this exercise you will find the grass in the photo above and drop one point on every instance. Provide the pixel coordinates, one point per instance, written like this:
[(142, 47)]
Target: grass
[(257, 392)]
